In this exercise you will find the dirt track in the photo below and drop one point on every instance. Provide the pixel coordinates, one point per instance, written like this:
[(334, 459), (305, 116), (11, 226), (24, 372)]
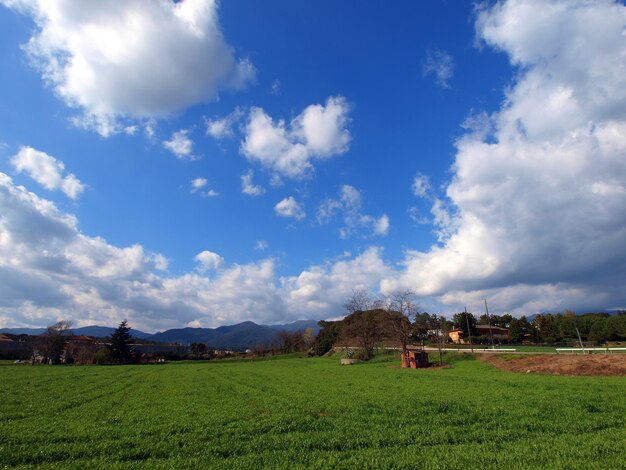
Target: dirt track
[(561, 364)]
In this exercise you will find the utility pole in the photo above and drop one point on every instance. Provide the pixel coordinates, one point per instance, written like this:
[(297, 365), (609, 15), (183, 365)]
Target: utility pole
[(582, 346), (489, 322), (469, 330)]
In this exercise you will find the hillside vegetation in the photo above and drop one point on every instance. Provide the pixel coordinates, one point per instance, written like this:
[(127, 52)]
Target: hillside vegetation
[(313, 413)]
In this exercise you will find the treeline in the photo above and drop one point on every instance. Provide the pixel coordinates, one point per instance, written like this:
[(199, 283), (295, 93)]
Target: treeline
[(595, 327), (549, 328), (286, 342), (546, 328), (396, 320)]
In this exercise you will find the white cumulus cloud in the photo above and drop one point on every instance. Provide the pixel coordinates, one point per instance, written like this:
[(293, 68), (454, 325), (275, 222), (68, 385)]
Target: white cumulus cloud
[(325, 288), (535, 212), (421, 185), (197, 184), (248, 187), (131, 59), (319, 132), (47, 171), (289, 207), (223, 128), (207, 260), (381, 225), (180, 145), (49, 271)]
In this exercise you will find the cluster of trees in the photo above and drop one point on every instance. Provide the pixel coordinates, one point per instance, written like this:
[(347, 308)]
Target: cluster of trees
[(396, 319), (52, 342), (595, 327), (294, 341), (119, 349), (286, 342), (369, 322), (548, 328)]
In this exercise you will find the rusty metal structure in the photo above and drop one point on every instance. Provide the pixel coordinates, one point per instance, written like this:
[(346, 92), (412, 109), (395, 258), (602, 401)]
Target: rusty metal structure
[(415, 359)]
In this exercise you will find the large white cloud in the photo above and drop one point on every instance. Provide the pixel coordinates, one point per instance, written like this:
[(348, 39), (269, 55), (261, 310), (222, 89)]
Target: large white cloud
[(133, 58), (49, 270), (319, 132), (539, 204), (325, 288), (47, 171)]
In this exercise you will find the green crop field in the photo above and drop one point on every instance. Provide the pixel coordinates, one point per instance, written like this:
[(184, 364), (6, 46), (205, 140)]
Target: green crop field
[(307, 413)]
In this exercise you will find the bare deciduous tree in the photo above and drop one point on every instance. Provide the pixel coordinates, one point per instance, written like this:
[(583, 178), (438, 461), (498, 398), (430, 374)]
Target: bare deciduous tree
[(308, 338), (400, 308), (290, 341), (362, 324), (440, 327), (359, 301), (52, 342), (364, 327)]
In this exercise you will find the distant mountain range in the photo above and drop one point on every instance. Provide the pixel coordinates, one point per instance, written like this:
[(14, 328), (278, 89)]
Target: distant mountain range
[(97, 331), (242, 335)]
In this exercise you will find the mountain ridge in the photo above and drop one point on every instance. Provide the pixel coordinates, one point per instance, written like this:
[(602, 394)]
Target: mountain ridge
[(241, 335)]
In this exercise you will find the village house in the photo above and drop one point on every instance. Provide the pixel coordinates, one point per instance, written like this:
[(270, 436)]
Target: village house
[(498, 333), (80, 349)]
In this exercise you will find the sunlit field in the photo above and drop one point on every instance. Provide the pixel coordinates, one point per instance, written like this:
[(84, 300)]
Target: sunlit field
[(308, 413)]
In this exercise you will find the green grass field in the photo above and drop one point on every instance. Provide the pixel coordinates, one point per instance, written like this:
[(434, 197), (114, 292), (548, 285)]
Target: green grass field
[(307, 413), (532, 348)]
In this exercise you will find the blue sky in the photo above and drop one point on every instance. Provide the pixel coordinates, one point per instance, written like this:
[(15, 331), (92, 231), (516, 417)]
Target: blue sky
[(199, 164)]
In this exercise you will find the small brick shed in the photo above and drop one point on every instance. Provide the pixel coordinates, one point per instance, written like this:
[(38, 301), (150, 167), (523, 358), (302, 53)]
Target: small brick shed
[(415, 359)]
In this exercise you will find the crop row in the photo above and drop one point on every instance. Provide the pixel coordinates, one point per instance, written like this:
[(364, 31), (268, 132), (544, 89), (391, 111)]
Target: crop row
[(307, 413)]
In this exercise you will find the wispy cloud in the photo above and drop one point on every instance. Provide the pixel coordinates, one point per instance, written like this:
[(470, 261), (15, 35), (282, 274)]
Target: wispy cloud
[(440, 65), (197, 184), (349, 206), (222, 128)]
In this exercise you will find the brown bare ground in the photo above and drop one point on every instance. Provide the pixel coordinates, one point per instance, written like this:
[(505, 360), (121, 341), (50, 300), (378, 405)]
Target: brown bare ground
[(561, 364)]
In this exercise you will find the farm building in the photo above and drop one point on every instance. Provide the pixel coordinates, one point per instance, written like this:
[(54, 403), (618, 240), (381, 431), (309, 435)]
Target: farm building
[(81, 349), (497, 332), (458, 336), (12, 349), (415, 359)]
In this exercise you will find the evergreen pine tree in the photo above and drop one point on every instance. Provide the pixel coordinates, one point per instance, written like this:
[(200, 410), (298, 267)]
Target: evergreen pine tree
[(121, 344)]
